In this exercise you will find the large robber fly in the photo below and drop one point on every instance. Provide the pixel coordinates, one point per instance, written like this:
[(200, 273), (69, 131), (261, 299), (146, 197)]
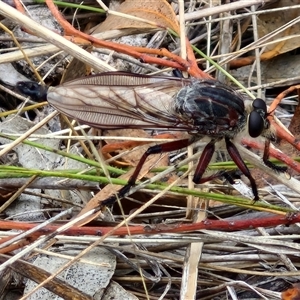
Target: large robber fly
[(117, 100)]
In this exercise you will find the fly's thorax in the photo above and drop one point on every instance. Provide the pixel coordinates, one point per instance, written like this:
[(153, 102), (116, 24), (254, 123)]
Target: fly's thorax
[(211, 108)]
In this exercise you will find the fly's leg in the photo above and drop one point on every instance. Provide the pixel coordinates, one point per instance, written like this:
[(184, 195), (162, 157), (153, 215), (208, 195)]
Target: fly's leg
[(236, 157), (203, 163), (269, 163), (204, 160), (230, 176), (162, 148)]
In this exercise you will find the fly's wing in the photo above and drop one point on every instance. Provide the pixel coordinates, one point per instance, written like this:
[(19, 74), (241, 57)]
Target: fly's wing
[(120, 100)]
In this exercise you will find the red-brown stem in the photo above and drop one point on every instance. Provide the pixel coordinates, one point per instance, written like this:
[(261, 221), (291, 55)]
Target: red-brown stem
[(274, 153), (137, 52), (208, 224), (278, 99)]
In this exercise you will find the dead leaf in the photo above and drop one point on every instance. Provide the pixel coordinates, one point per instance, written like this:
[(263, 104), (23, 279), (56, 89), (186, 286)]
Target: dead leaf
[(292, 293), (111, 189), (158, 12), (284, 67), (270, 22)]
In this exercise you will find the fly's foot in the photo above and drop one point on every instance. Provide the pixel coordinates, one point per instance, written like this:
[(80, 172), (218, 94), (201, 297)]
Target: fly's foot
[(280, 169), (119, 195)]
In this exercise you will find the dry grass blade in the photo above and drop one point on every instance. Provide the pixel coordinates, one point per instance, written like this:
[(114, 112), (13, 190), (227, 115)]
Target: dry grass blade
[(53, 38)]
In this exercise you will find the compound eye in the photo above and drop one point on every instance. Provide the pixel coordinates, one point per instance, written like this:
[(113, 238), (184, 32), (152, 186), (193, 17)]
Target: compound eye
[(255, 124), (260, 104)]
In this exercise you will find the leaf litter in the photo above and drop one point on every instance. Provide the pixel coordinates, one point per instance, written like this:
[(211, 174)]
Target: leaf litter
[(250, 264)]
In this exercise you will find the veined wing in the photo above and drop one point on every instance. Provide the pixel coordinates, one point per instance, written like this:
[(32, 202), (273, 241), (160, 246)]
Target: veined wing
[(120, 100)]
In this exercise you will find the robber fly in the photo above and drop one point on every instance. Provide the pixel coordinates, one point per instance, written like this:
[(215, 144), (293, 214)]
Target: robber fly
[(201, 107)]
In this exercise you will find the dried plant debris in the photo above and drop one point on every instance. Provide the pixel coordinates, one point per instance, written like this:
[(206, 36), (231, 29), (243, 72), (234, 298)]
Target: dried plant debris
[(142, 247)]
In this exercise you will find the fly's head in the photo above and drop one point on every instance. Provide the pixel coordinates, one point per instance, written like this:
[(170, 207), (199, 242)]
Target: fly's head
[(257, 121)]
